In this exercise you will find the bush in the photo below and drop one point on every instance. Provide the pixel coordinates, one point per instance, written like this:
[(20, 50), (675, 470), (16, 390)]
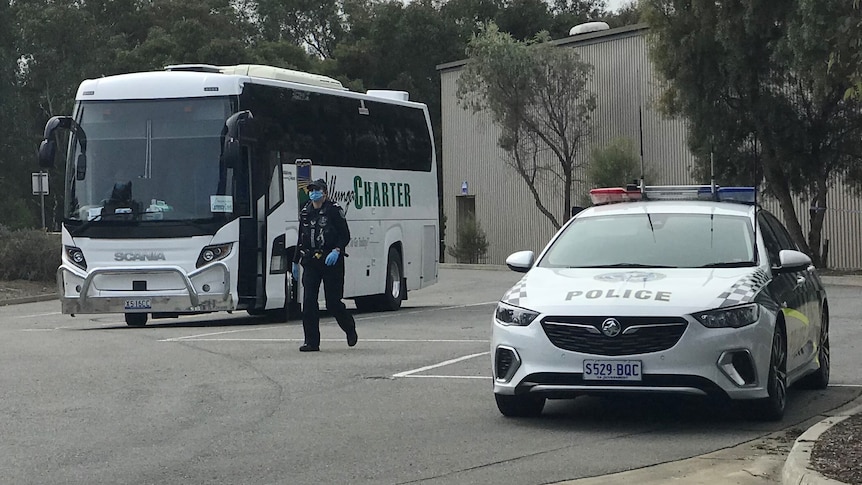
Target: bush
[(472, 244), (28, 254), (615, 165)]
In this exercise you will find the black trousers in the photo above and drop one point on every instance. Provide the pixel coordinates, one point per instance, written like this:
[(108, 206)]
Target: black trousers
[(314, 273)]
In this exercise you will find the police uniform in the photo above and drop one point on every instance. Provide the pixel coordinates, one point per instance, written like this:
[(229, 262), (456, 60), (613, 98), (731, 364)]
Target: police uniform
[(321, 231)]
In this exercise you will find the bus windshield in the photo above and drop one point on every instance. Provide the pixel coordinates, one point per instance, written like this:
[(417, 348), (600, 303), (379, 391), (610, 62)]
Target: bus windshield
[(149, 160)]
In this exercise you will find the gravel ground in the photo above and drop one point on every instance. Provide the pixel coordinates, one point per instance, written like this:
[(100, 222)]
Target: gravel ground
[(11, 290), (837, 454)]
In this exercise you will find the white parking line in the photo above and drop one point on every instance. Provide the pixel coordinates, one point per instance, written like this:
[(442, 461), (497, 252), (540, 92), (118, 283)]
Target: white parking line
[(448, 377), (441, 364), (35, 315), (385, 340)]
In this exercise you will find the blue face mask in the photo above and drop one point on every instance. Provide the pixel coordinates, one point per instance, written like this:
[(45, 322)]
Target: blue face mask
[(315, 195)]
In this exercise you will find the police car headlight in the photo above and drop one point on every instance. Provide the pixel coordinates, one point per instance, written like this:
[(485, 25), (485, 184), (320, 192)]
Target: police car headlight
[(733, 317), (512, 315)]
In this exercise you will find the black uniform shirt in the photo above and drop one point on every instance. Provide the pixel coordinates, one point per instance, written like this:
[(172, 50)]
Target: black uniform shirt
[(321, 230)]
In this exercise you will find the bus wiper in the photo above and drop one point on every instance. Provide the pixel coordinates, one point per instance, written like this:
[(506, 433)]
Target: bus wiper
[(729, 264)]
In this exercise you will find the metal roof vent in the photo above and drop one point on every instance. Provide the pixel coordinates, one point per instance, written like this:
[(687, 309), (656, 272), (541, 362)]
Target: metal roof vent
[(389, 94), (588, 27)]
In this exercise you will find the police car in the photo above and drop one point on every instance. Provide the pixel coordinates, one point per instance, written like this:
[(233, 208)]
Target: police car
[(688, 290)]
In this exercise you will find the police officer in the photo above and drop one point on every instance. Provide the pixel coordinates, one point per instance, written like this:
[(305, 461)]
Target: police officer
[(323, 235)]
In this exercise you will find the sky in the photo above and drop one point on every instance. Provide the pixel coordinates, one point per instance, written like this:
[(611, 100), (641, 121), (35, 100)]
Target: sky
[(616, 4)]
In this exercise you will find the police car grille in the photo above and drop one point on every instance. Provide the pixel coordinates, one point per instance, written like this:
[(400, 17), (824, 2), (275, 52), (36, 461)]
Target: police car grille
[(583, 334)]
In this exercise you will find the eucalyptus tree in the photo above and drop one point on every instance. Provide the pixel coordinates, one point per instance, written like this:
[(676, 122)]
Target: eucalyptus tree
[(751, 80), (537, 94)]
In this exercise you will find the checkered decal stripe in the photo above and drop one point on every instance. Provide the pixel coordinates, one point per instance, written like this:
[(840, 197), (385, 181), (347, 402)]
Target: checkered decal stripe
[(744, 290), (516, 293)]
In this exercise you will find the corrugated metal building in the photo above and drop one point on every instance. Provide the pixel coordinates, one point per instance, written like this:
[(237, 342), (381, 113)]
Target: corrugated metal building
[(477, 179)]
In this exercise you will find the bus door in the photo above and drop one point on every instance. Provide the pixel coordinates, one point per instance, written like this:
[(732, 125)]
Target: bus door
[(280, 229)]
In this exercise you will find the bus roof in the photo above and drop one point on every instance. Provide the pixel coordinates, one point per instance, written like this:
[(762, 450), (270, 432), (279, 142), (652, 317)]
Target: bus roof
[(200, 80)]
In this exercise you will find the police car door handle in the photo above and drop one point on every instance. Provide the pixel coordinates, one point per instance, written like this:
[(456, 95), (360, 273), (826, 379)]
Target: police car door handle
[(800, 280)]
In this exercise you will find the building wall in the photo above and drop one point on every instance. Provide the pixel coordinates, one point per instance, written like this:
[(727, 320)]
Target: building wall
[(622, 81)]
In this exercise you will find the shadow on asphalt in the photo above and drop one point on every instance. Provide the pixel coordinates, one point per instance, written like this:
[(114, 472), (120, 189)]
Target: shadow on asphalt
[(682, 414)]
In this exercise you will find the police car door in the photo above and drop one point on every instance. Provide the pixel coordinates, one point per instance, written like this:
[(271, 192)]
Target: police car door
[(806, 293), (788, 293)]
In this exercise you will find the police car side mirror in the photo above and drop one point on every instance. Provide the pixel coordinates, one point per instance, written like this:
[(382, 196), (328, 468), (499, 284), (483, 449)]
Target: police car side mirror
[(792, 261), (521, 261)]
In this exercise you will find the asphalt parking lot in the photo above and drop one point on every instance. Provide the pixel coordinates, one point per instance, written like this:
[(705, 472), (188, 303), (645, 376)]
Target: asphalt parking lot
[(229, 399)]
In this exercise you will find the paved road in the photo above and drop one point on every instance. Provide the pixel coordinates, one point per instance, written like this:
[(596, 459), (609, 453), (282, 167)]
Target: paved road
[(231, 400)]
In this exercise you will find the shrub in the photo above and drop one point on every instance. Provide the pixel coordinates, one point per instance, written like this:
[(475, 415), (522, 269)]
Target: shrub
[(615, 165), (472, 244), (28, 254)]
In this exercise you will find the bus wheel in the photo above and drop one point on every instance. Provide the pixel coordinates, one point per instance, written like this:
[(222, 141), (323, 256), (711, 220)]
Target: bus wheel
[(136, 319), (395, 289), (291, 308)]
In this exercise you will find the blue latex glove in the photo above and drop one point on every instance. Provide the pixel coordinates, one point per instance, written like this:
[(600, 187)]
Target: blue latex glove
[(295, 271), (332, 258)]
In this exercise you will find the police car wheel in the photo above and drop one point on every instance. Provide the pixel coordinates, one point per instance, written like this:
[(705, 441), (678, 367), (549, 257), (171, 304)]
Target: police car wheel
[(771, 408), (819, 379), (136, 319), (520, 406)]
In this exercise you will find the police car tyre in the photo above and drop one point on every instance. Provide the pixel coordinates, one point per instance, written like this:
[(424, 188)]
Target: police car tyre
[(819, 379), (136, 319), (771, 408), (520, 405)]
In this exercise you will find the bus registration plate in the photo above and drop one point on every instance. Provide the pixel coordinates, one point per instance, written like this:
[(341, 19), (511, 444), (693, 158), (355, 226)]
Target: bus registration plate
[(140, 304), (612, 370)]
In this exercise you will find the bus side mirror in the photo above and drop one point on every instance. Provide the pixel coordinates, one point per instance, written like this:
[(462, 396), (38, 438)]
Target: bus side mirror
[(81, 167), (47, 153), (237, 128)]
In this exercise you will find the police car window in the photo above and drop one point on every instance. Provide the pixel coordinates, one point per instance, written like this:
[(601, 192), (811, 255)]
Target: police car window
[(769, 239), (654, 240), (781, 234)]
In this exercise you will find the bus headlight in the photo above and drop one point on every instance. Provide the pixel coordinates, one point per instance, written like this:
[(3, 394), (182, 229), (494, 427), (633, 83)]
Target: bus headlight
[(76, 256), (211, 254)]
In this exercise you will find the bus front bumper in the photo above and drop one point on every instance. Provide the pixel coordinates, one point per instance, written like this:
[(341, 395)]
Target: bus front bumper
[(204, 290)]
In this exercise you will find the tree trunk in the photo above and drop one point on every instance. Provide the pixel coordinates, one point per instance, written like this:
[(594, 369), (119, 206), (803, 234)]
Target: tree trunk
[(818, 215)]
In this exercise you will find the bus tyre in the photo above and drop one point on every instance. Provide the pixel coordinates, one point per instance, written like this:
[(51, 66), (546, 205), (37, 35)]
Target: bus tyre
[(136, 319), (290, 308), (519, 405), (391, 299)]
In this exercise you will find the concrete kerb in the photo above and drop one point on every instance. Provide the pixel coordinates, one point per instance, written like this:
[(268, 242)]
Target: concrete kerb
[(796, 470), (28, 299)]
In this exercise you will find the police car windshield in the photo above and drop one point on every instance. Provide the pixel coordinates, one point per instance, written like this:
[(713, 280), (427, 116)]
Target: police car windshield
[(654, 240)]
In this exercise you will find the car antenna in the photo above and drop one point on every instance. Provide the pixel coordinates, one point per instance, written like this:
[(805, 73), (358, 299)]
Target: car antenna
[(641, 135), (755, 183)]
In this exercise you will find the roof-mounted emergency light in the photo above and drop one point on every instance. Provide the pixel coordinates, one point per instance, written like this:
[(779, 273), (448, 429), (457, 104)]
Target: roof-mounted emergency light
[(674, 192)]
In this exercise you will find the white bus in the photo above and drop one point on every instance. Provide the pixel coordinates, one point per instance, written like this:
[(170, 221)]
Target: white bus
[(183, 188)]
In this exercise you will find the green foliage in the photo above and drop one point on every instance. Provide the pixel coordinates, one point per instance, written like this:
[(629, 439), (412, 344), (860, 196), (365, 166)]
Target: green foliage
[(753, 83), (537, 94), (28, 254), (614, 165), (472, 244), (367, 44)]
